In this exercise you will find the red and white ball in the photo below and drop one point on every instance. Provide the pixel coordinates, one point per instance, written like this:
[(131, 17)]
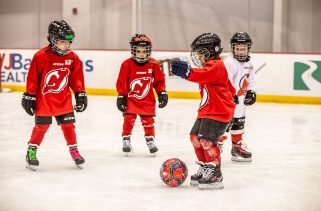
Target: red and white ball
[(173, 172)]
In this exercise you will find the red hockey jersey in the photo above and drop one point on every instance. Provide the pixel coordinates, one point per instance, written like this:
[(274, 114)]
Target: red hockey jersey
[(50, 76), (136, 82), (216, 91)]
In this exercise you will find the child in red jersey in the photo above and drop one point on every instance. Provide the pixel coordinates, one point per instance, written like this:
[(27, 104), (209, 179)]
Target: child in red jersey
[(53, 70), (137, 77), (216, 107)]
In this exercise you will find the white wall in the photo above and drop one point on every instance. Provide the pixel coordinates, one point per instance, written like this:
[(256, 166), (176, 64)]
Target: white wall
[(80, 22), (304, 26), (172, 25), (24, 23)]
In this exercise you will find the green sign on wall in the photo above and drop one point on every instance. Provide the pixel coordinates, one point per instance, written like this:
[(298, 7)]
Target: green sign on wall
[(299, 69)]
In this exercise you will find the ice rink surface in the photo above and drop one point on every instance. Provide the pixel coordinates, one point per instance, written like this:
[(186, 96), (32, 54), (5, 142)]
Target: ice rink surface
[(285, 173)]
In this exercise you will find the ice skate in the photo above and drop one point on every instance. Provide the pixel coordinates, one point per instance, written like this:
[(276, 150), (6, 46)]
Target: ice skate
[(212, 178), (151, 144), (31, 157), (240, 153), (76, 157), (198, 175), (127, 147)]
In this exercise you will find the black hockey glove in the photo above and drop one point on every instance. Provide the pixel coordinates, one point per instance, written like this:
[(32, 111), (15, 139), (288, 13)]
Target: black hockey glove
[(28, 103), (250, 98), (162, 99), (121, 103), (236, 99), (181, 69), (81, 101)]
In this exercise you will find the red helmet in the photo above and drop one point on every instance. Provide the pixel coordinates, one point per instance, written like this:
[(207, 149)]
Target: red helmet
[(141, 40)]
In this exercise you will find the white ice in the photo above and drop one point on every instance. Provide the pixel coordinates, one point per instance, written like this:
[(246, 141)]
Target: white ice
[(285, 173)]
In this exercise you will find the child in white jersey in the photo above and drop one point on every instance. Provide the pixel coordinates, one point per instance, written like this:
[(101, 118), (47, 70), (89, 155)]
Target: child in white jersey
[(241, 75)]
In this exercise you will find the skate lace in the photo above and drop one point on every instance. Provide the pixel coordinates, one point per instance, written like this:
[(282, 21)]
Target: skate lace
[(75, 153), (126, 143), (208, 173), (242, 146), (200, 171), (151, 144), (32, 154)]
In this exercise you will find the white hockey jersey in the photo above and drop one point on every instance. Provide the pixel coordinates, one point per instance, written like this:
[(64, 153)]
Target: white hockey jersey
[(241, 75)]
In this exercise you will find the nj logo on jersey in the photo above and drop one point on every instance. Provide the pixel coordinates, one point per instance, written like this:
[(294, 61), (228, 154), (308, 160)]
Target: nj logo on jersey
[(243, 85), (139, 87), (56, 80), (205, 97)]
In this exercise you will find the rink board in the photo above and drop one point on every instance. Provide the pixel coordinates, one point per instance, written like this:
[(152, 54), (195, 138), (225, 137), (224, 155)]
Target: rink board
[(285, 78)]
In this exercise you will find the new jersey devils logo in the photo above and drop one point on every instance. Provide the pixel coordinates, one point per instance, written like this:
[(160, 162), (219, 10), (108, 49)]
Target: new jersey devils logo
[(139, 87), (205, 97), (56, 80), (243, 85)]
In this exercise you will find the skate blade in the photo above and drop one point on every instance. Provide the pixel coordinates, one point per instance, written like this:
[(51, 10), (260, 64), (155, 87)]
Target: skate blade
[(153, 154), (128, 153), (216, 185), (194, 183), (80, 166), (31, 167), (240, 159)]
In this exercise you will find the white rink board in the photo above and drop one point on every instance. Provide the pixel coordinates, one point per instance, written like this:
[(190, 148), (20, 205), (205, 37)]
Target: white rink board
[(275, 72)]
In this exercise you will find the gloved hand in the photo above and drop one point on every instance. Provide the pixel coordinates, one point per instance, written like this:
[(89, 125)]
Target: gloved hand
[(28, 103), (162, 99), (181, 68), (236, 99), (81, 101), (121, 103), (250, 98)]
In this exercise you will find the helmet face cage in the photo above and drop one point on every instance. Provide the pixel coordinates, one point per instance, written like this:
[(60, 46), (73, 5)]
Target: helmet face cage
[(56, 49), (238, 54), (205, 47), (239, 42), (141, 44), (60, 31), (197, 54), (147, 51)]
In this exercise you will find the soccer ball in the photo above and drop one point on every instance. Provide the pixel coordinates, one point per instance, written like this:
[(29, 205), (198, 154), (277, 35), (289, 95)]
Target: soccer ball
[(173, 172)]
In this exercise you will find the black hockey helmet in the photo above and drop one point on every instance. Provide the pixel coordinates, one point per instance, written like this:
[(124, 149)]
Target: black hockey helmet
[(207, 44), (141, 40), (60, 30), (240, 38)]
